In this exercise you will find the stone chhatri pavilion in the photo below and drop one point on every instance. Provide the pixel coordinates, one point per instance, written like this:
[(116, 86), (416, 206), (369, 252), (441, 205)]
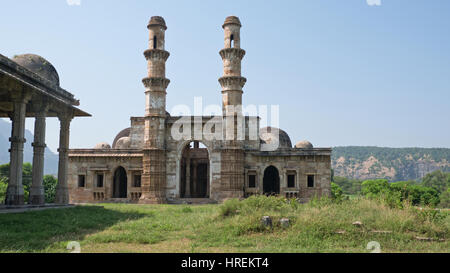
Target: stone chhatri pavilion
[(29, 87), (147, 164)]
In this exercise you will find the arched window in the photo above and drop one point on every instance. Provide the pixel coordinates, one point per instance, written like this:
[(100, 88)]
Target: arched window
[(154, 42), (232, 40)]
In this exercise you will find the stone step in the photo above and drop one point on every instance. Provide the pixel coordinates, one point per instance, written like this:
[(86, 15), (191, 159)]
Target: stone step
[(193, 201)]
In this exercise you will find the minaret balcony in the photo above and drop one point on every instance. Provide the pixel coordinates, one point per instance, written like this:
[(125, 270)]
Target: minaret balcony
[(154, 82), (232, 82), (159, 54), (232, 52)]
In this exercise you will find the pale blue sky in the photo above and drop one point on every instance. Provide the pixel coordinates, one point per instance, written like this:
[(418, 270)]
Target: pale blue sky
[(343, 72)]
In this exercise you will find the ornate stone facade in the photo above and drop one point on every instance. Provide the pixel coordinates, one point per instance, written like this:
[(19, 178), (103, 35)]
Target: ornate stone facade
[(215, 160)]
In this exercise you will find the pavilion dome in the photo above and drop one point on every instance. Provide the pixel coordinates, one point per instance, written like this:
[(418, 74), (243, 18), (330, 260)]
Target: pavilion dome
[(304, 144), (157, 21), (268, 135), (232, 20), (38, 65)]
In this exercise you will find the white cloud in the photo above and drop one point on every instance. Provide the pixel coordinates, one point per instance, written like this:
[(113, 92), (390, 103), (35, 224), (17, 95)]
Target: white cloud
[(373, 2), (73, 2)]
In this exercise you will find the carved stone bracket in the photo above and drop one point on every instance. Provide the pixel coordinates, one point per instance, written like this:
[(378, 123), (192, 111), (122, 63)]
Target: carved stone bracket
[(232, 82), (155, 82), (228, 53), (156, 54)]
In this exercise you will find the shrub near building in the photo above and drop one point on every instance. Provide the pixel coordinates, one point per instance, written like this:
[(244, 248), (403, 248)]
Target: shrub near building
[(396, 193)]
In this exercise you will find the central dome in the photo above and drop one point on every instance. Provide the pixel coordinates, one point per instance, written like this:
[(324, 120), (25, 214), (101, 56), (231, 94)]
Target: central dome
[(268, 135), (38, 65)]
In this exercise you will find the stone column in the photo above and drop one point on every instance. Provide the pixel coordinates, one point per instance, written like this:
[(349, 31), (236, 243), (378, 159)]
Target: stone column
[(195, 180), (14, 192), (208, 194), (37, 196), (130, 177), (187, 191), (62, 190)]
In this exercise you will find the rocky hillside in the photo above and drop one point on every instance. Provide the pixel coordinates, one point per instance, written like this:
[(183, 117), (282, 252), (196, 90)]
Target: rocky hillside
[(51, 159), (395, 164)]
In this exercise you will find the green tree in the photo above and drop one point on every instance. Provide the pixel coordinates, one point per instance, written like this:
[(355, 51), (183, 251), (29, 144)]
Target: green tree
[(374, 188), (349, 186), (437, 180), (3, 187), (50, 183), (416, 194), (27, 176), (445, 199)]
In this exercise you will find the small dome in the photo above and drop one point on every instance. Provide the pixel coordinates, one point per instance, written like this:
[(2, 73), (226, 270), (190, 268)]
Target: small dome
[(231, 20), (157, 21), (268, 136), (304, 144), (123, 143), (102, 145), (38, 65)]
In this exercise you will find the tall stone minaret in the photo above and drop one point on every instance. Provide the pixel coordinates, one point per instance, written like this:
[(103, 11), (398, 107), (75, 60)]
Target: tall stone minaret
[(232, 82), (232, 153), (154, 158)]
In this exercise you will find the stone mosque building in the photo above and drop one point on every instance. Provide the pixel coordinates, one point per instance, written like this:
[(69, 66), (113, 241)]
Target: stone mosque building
[(147, 164)]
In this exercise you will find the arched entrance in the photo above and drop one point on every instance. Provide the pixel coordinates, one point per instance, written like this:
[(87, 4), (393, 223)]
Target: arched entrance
[(194, 171), (271, 181), (120, 183)]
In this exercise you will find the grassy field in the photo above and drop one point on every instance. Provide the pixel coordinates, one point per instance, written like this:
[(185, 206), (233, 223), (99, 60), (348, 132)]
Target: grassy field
[(319, 226)]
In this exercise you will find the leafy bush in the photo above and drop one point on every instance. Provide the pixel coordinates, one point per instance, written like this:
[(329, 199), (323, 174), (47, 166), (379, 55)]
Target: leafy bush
[(26, 177), (230, 207), (438, 180), (445, 199), (336, 192), (395, 194), (186, 210), (50, 183), (375, 188), (430, 215), (3, 187), (416, 194), (257, 203)]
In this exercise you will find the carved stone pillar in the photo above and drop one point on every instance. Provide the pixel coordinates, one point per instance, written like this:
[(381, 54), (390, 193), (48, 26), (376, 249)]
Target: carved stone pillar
[(62, 190), (208, 194), (195, 180), (187, 192), (37, 195), (14, 192)]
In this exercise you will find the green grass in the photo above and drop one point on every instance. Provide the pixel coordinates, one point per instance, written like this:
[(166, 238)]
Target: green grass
[(230, 227)]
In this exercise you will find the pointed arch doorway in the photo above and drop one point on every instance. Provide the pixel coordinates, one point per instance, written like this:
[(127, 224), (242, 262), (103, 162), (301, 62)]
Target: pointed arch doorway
[(271, 181), (194, 171), (120, 183)]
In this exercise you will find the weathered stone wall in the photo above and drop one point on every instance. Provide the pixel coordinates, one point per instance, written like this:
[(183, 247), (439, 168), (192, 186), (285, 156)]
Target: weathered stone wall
[(301, 165), (92, 162), (137, 132)]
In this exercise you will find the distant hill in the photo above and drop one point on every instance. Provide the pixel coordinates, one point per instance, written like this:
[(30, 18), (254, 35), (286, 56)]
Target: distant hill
[(394, 164), (51, 159)]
